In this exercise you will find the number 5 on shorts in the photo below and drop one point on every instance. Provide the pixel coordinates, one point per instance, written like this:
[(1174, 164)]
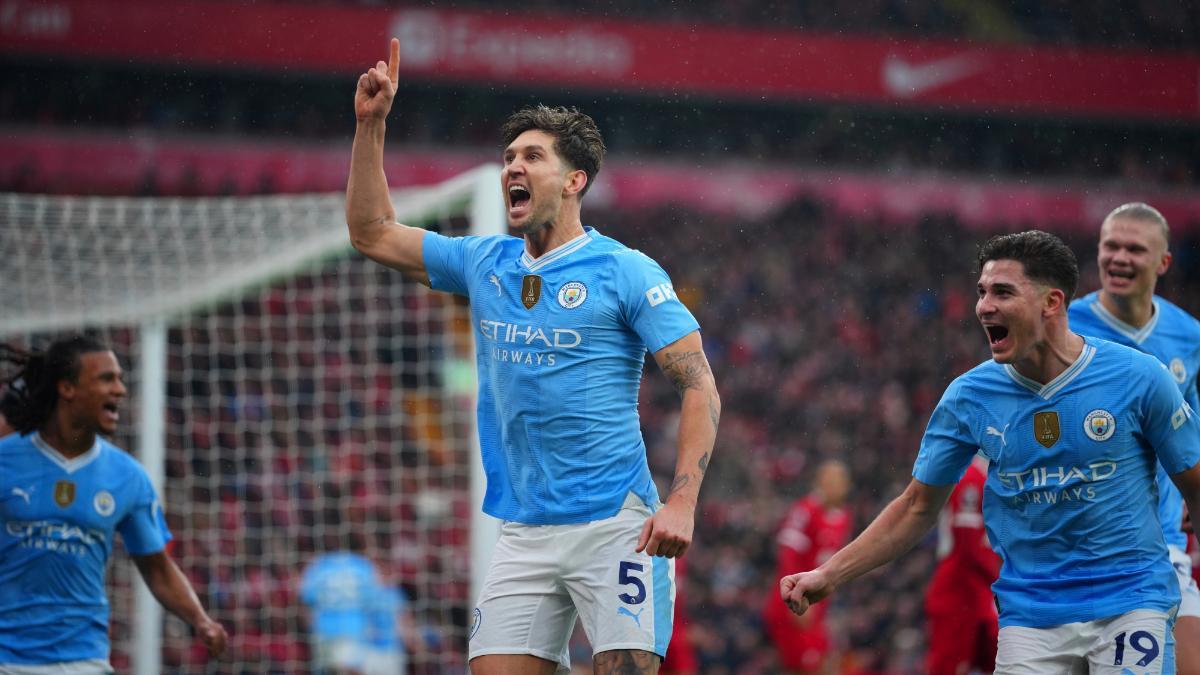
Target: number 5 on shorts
[(1142, 642), (625, 579)]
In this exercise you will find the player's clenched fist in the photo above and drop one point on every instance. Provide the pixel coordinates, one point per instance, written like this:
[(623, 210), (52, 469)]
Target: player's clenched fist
[(800, 591), (214, 637), (377, 87)]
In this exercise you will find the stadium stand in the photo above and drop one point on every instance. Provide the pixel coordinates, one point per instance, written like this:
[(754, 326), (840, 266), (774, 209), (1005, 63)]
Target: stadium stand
[(835, 311)]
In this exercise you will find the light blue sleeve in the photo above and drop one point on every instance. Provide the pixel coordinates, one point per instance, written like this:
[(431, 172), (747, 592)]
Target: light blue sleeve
[(449, 261), (1168, 421), (144, 527), (649, 303), (948, 445)]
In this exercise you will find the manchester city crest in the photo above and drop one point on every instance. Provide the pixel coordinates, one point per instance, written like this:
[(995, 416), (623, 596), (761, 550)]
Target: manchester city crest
[(572, 294), (1178, 370), (1099, 425), (104, 503)]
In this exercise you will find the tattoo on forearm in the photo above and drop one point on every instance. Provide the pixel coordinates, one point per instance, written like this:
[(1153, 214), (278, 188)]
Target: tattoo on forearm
[(625, 662), (687, 370), (714, 412), (679, 483), (703, 463)]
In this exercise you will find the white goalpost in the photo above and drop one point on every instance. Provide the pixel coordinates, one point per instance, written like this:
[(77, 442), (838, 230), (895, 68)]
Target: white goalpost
[(287, 395)]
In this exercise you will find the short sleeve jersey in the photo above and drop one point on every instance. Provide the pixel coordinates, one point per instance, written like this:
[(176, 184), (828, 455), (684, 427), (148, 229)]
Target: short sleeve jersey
[(1072, 462), (1173, 337), (58, 517), (560, 341), (341, 588)]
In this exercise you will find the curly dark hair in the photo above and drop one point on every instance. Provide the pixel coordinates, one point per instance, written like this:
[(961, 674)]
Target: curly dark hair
[(576, 137), (32, 392), (1046, 259)]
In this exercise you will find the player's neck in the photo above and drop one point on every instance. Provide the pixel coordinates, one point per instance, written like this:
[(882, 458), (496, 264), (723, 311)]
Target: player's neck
[(1134, 311), (539, 243), (1052, 357), (69, 440)]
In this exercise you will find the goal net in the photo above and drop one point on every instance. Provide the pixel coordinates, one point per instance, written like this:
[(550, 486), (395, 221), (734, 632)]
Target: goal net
[(290, 396)]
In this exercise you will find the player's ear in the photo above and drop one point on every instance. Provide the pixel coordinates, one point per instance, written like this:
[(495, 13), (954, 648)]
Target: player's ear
[(1055, 301), (576, 180), (1164, 263), (66, 390)]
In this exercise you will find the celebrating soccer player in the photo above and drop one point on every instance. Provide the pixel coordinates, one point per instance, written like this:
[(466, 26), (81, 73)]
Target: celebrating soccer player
[(1133, 254), (1074, 428), (64, 492), (563, 317)]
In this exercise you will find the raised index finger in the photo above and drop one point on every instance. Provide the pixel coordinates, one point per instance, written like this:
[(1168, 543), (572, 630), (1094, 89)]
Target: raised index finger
[(394, 61)]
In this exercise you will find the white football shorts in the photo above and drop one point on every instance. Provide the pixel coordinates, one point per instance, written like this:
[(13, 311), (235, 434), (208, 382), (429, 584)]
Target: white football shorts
[(543, 576), (1137, 642), (1189, 604)]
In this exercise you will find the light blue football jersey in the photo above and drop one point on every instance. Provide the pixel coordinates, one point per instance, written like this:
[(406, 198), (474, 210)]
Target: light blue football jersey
[(560, 342), (341, 589), (1173, 337), (1071, 465), (58, 517)]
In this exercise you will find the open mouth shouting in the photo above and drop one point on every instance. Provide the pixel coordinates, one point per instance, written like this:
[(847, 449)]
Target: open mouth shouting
[(519, 199), (997, 336), (110, 413)]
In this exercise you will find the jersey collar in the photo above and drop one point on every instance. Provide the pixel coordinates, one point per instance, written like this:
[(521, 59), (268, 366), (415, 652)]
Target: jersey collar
[(1138, 335), (534, 264), (1048, 390), (68, 465)]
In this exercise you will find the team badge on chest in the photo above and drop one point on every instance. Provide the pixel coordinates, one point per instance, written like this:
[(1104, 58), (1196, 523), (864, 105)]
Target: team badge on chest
[(531, 290), (1099, 425), (64, 493), (1045, 428), (572, 294), (1178, 370)]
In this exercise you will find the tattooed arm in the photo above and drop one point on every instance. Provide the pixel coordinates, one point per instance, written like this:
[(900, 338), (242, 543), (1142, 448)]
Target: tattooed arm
[(669, 532)]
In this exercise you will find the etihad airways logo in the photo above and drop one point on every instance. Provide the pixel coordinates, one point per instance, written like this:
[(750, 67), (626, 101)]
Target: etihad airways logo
[(533, 336), (1058, 476), (49, 535), (510, 337)]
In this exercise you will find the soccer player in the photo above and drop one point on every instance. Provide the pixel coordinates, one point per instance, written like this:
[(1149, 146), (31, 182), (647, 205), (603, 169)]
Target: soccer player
[(959, 606), (563, 317), (1133, 253), (815, 527), (64, 493), (353, 615), (1073, 428)]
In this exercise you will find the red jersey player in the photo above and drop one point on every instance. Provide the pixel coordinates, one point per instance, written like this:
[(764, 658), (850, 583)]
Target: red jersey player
[(681, 655), (962, 613), (815, 528)]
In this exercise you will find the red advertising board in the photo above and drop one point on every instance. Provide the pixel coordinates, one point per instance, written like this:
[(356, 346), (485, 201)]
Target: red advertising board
[(520, 50), (93, 164)]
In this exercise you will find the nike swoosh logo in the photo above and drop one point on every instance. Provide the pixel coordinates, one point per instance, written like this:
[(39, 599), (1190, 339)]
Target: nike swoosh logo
[(906, 80)]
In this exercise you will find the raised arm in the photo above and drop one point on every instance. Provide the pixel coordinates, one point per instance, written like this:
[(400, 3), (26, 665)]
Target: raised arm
[(369, 211), (894, 531), (669, 532), (173, 590)]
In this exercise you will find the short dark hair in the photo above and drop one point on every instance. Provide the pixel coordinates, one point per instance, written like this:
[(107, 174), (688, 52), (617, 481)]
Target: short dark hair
[(577, 139), (1046, 259), (31, 394)]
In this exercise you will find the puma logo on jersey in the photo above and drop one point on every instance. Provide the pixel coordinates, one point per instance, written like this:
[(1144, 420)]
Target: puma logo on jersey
[(496, 280), (637, 618), (993, 431), (23, 493)]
